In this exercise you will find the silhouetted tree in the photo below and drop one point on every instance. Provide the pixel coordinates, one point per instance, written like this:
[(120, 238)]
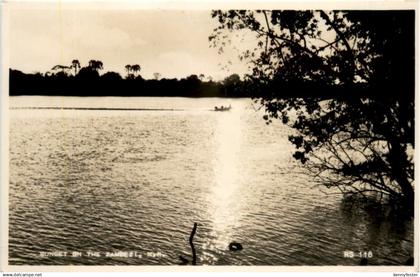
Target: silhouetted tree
[(156, 75), (128, 68), (63, 69), (76, 65), (355, 125), (87, 74), (95, 65), (232, 84), (111, 76), (135, 68)]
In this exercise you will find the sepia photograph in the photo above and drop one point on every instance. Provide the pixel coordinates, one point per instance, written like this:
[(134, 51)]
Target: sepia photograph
[(209, 136)]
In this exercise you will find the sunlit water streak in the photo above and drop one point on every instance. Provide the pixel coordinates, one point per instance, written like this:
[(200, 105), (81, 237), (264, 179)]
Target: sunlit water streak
[(98, 180), (225, 196)]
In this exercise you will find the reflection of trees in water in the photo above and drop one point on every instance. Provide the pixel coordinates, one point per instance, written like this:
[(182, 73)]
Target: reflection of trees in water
[(385, 228), (354, 206)]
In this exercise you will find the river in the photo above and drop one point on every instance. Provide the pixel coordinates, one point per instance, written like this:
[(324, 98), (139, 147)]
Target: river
[(132, 175)]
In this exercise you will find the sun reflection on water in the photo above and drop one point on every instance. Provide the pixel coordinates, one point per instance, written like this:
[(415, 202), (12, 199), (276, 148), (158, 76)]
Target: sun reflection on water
[(225, 195)]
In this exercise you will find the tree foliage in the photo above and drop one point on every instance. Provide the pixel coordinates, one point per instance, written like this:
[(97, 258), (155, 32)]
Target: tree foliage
[(135, 68), (95, 65), (355, 127), (76, 65)]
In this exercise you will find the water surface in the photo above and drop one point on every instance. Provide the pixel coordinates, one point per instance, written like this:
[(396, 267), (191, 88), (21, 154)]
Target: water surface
[(136, 180)]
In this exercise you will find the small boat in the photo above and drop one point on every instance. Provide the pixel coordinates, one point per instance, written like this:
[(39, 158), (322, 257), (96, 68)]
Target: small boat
[(222, 108)]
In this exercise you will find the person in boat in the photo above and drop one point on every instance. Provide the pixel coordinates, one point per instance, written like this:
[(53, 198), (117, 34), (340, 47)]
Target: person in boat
[(222, 108)]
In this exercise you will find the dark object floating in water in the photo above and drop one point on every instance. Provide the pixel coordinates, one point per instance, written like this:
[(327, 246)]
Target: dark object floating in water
[(222, 109), (363, 261), (235, 246), (183, 260)]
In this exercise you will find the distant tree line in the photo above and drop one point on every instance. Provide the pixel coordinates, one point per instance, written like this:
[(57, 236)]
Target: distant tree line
[(74, 80)]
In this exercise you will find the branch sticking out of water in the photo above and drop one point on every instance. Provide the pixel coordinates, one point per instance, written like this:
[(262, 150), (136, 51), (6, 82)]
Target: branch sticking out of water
[(194, 256), (185, 261)]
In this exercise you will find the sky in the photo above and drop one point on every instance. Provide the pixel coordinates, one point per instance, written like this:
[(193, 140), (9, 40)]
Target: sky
[(173, 43)]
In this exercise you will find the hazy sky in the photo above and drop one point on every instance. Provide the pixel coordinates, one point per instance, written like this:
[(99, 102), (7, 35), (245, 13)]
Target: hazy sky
[(172, 42)]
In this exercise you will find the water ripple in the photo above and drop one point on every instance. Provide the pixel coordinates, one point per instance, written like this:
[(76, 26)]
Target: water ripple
[(136, 181)]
